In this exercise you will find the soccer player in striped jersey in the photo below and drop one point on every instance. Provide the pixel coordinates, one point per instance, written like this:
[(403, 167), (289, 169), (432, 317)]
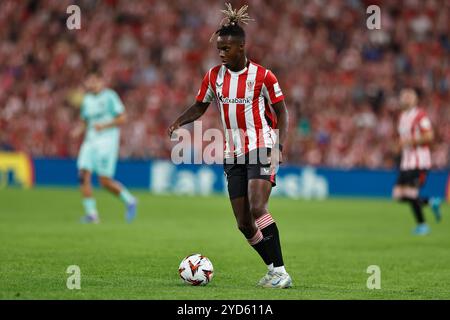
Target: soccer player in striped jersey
[(102, 113), (252, 109), (416, 135)]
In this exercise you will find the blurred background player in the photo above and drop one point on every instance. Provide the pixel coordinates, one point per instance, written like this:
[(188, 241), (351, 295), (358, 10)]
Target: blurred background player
[(102, 113), (339, 79), (245, 93), (416, 135)]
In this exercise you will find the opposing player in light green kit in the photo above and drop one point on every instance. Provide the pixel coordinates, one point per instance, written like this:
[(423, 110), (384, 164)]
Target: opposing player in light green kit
[(102, 113)]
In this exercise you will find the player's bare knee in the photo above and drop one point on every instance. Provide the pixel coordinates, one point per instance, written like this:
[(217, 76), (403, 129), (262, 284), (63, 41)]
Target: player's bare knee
[(83, 177), (104, 181), (247, 228), (257, 210), (397, 193), (411, 193)]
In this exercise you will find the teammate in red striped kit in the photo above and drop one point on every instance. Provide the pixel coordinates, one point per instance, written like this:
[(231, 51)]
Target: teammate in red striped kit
[(255, 119), (416, 135)]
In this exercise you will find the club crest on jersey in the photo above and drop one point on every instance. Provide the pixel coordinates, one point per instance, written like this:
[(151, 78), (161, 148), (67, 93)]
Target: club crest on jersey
[(250, 85)]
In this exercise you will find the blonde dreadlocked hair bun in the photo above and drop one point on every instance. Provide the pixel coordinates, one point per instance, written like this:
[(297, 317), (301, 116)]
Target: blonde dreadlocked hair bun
[(230, 23)]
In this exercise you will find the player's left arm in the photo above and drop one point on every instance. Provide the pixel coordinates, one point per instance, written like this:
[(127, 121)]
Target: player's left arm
[(282, 125), (117, 109), (272, 92), (426, 137)]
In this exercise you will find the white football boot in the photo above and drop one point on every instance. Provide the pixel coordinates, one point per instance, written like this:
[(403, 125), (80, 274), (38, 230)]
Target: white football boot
[(279, 280), (266, 279)]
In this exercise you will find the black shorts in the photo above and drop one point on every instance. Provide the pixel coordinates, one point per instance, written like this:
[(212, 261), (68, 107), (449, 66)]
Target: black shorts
[(254, 165), (412, 178)]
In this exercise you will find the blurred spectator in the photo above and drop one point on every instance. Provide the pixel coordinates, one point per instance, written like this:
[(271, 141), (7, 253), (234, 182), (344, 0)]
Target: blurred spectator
[(340, 79)]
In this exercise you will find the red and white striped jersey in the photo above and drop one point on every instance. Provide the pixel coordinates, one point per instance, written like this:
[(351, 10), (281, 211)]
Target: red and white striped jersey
[(413, 124), (244, 100)]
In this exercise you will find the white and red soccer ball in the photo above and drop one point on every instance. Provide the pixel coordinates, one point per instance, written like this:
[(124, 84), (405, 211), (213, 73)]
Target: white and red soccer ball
[(196, 270)]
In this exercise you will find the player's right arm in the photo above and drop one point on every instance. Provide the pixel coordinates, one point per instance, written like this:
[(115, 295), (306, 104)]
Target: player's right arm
[(195, 111), (81, 125), (78, 130), (191, 114)]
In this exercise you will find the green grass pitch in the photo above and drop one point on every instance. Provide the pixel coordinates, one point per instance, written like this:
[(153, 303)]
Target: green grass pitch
[(327, 245)]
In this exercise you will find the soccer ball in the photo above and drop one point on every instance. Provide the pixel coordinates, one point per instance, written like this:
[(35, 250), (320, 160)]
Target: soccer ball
[(196, 270)]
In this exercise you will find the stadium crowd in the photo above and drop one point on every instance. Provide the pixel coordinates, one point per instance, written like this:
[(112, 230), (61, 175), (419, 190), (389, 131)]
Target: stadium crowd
[(340, 79)]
